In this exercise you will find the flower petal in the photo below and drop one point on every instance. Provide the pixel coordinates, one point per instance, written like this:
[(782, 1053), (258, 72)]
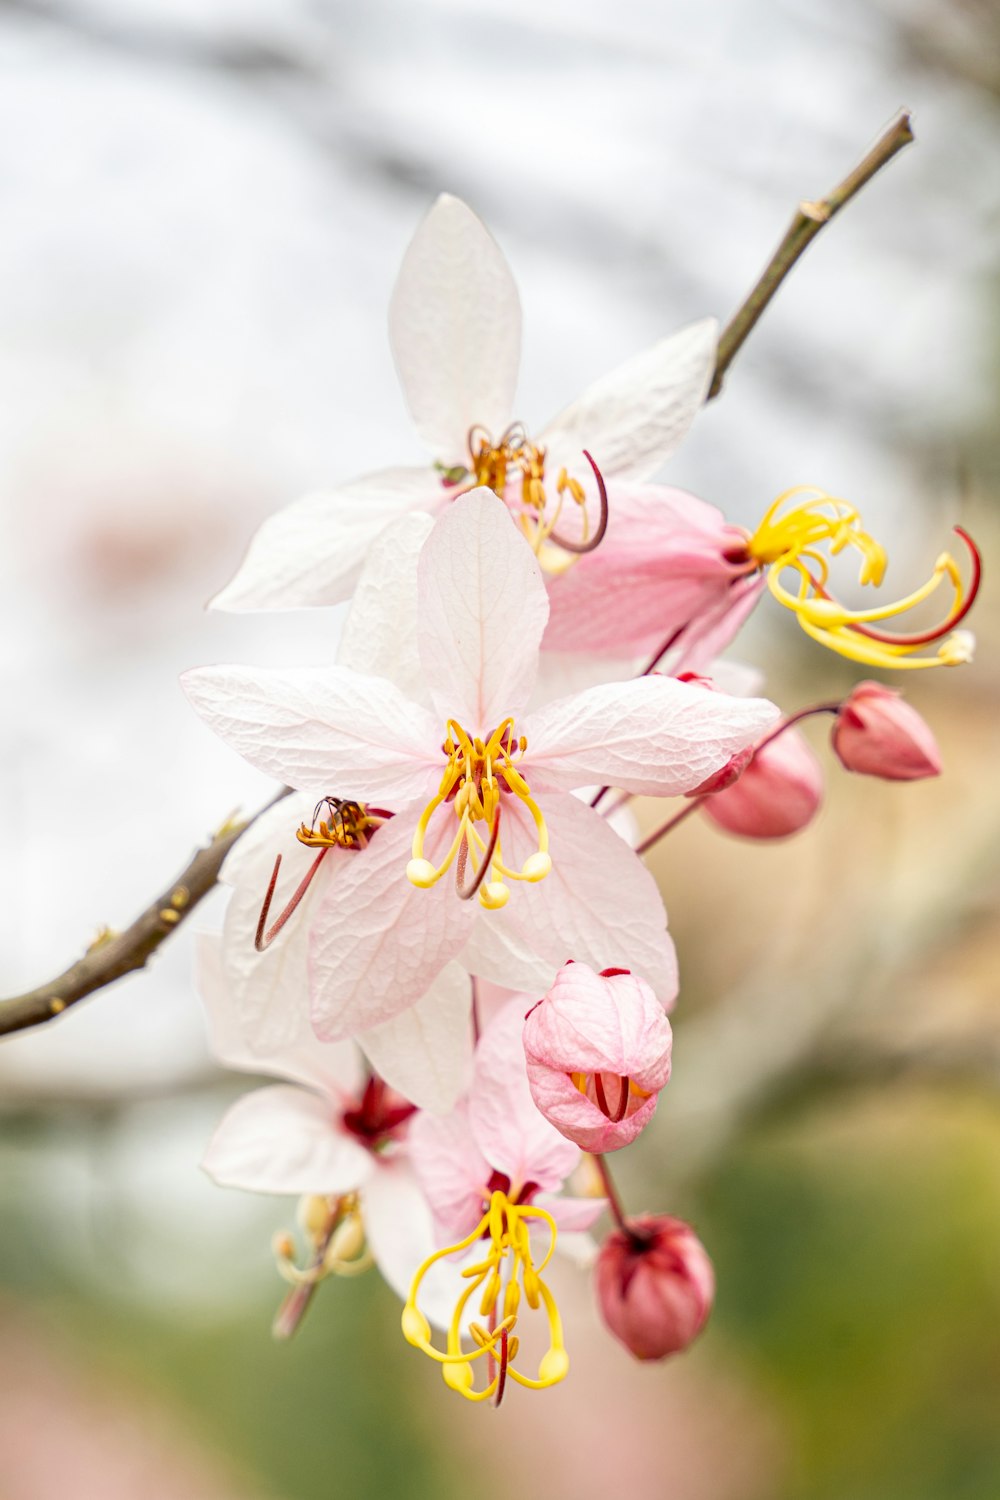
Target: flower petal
[(425, 1052), (652, 735), (380, 632), (598, 904), (378, 943), (499, 952), (455, 329), (483, 609), (285, 1140), (509, 1130), (401, 1235), (310, 553), (452, 1169), (322, 729), (632, 419)]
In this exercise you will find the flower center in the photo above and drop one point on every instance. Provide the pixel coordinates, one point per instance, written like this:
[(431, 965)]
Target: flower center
[(377, 1118), (611, 1092), (478, 775), (346, 826), (515, 462), (508, 1267), (789, 538)]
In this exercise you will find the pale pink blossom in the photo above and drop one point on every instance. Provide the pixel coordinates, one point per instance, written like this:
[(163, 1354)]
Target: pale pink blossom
[(778, 794), (597, 1048), (455, 329), (877, 734), (380, 939), (655, 1285)]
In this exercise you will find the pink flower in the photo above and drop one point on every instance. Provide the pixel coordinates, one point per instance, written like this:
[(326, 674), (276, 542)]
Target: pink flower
[(455, 328), (654, 1285), (478, 787), (778, 794), (877, 734), (491, 1171), (598, 1052)]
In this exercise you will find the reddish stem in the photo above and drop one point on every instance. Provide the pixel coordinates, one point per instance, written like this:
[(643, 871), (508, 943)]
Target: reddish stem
[(611, 1193)]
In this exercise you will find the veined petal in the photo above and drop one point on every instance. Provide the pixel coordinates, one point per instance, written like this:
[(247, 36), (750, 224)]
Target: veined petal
[(425, 1052), (285, 1140), (662, 564), (455, 329), (326, 730), (652, 735), (499, 952), (633, 418), (482, 611), (378, 943), (380, 632), (401, 1235), (452, 1169), (713, 631), (598, 904), (509, 1130), (310, 552)]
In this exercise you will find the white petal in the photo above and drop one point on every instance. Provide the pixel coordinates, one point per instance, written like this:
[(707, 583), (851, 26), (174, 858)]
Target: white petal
[(379, 942), (498, 952), (322, 729), (634, 418), (285, 1140), (380, 632), (311, 552), (400, 1230), (455, 329), (483, 609), (652, 735), (425, 1053), (598, 904)]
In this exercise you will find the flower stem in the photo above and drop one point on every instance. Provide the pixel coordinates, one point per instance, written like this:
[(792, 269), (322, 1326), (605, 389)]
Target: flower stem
[(611, 1193)]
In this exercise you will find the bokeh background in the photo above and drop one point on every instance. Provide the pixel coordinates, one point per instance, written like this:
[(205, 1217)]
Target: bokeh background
[(203, 206)]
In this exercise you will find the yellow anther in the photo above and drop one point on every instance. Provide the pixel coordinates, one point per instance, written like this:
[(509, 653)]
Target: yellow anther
[(477, 774), (505, 1225), (786, 542)]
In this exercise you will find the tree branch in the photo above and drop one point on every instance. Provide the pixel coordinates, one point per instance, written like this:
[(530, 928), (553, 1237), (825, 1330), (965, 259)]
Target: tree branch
[(809, 220), (116, 954)]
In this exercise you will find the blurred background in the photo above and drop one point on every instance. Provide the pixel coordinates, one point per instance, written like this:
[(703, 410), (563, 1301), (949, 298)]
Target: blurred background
[(204, 205)]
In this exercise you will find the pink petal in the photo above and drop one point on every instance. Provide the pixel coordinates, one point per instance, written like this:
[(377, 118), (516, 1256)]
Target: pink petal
[(378, 943), (594, 1023), (425, 1052), (651, 735), (598, 904), (633, 418), (322, 729), (510, 1132), (311, 552), (401, 1235), (482, 611), (452, 1170), (285, 1140), (455, 329)]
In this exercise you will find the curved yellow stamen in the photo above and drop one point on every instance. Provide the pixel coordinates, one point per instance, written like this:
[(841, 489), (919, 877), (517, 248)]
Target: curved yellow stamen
[(477, 774), (506, 1225), (788, 537)]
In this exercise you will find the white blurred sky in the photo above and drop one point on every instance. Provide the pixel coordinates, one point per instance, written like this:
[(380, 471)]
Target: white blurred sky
[(204, 204)]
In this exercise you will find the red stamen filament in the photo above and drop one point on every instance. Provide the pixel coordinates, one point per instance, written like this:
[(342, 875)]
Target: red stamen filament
[(580, 548), (502, 1378), (602, 1099), (466, 892), (264, 940)]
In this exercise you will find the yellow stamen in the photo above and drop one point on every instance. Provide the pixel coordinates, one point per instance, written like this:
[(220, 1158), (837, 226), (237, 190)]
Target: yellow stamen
[(493, 464), (346, 826), (477, 776), (787, 540), (506, 1224)]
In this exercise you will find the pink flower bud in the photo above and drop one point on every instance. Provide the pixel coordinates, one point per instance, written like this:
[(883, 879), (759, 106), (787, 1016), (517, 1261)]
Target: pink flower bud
[(597, 1047), (779, 792), (654, 1285), (877, 734)]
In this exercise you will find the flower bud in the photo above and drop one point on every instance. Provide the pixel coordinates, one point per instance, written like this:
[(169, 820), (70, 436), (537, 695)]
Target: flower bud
[(597, 1049), (778, 794), (877, 734), (654, 1285)]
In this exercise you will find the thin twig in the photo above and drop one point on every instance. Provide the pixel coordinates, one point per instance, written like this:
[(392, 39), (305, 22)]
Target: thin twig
[(809, 219), (114, 956)]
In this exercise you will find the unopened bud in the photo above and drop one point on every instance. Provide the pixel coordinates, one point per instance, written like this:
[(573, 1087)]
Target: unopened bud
[(654, 1286), (314, 1216), (778, 794), (877, 734)]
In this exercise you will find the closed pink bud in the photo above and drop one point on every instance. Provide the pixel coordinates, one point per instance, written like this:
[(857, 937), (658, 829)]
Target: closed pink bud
[(778, 794), (597, 1047), (655, 1285), (877, 734)]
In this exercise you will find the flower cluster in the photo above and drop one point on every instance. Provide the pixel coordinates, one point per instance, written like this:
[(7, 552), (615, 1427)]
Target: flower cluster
[(444, 939)]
